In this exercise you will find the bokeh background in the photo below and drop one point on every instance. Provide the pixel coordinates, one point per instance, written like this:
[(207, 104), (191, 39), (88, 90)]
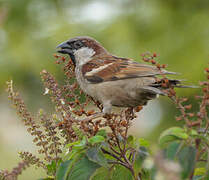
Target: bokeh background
[(31, 29)]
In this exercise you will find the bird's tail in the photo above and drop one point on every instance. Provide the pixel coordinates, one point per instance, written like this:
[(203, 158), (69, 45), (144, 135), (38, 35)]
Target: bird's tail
[(159, 86), (172, 82)]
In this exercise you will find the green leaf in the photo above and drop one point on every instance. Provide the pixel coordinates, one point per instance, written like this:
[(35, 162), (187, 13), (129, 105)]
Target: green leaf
[(72, 144), (121, 173), (147, 174), (143, 142), (141, 154), (153, 172), (78, 148), (78, 144), (78, 132), (171, 150), (187, 160), (63, 170), (102, 132), (193, 132), (96, 139), (83, 169), (130, 139), (102, 174), (47, 178), (94, 154), (133, 142), (172, 134), (207, 175), (198, 178), (51, 168), (199, 171), (74, 154)]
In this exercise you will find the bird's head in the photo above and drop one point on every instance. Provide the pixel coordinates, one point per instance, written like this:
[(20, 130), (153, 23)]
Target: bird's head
[(81, 49)]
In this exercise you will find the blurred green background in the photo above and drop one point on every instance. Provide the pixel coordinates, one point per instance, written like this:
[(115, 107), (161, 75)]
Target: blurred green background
[(31, 29)]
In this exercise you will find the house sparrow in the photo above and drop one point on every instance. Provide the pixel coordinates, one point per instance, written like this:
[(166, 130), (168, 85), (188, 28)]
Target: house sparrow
[(111, 80)]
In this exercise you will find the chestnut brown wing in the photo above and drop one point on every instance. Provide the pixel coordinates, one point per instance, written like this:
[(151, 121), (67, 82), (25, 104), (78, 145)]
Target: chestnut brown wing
[(111, 68)]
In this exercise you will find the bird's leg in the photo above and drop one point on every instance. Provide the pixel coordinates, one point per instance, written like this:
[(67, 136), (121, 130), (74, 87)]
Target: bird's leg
[(107, 107)]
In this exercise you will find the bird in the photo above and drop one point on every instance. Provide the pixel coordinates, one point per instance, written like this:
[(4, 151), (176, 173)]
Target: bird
[(112, 80)]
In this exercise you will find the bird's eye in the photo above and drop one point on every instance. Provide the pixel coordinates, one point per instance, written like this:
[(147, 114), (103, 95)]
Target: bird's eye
[(78, 44)]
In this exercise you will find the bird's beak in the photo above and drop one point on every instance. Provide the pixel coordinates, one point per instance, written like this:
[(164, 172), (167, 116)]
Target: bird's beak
[(64, 48)]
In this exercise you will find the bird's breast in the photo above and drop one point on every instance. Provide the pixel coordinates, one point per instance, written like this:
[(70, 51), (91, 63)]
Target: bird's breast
[(83, 83)]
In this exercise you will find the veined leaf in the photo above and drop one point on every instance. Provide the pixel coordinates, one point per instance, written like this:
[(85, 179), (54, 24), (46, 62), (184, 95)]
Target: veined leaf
[(143, 142), (51, 168), (74, 154), (199, 171), (94, 154), (141, 154), (132, 141), (121, 173), (83, 169), (187, 160), (47, 178), (78, 144), (65, 167), (171, 150), (96, 139), (199, 178), (172, 134), (102, 174), (63, 171), (102, 132)]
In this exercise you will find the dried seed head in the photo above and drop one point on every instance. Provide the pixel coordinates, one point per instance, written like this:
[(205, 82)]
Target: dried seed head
[(63, 59), (56, 56), (91, 112), (164, 66), (158, 66), (188, 106), (153, 61), (191, 114), (207, 70), (145, 59), (178, 118), (138, 108), (123, 123), (204, 89), (154, 54)]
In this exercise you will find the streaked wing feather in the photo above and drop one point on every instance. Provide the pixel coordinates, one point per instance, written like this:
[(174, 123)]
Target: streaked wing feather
[(117, 69)]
